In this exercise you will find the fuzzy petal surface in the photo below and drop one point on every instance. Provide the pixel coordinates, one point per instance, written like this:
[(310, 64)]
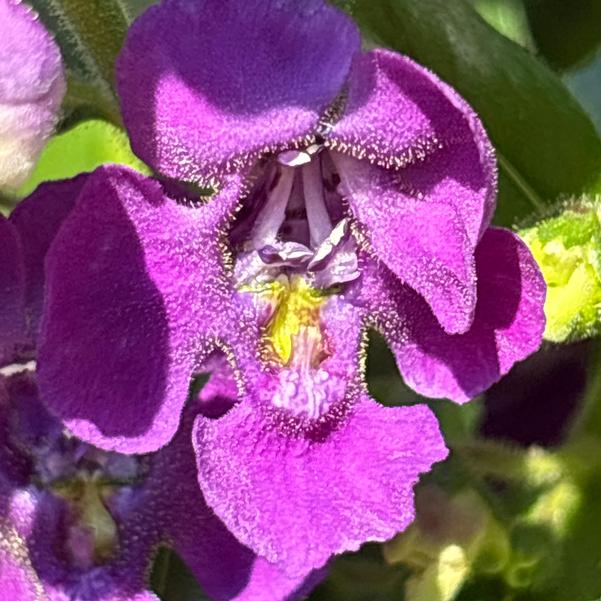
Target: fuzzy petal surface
[(18, 581), (37, 219), (12, 292), (508, 324), (401, 116), (422, 239), (227, 570), (135, 297), (297, 499), (236, 80), (32, 86)]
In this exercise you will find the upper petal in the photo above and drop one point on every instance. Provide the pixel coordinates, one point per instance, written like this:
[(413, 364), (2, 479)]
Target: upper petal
[(401, 116), (422, 239), (298, 499), (233, 80), (135, 297), (32, 86), (508, 324)]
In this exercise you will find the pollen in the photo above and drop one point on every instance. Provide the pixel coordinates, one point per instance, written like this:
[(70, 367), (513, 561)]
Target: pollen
[(296, 314)]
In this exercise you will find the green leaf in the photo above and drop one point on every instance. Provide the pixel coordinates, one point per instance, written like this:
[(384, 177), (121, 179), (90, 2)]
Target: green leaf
[(567, 33), (81, 149), (90, 34), (507, 17), (546, 144)]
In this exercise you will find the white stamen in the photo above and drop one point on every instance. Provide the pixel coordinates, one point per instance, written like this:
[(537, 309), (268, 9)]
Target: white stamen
[(294, 158), (320, 224), (273, 214)]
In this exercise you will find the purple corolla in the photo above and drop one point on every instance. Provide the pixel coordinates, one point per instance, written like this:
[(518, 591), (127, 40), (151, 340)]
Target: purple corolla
[(32, 86), (81, 524), (355, 191)]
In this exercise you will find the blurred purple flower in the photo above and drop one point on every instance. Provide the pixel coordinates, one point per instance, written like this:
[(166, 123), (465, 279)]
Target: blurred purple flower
[(84, 524), (355, 191), (32, 86)]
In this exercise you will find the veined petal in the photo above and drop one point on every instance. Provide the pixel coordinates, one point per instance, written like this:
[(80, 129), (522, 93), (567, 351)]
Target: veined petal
[(37, 219), (508, 324), (32, 86), (299, 499), (136, 295), (401, 116), (422, 240), (12, 292), (236, 80)]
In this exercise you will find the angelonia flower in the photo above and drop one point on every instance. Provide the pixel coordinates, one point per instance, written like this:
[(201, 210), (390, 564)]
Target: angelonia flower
[(79, 523), (32, 86), (354, 190)]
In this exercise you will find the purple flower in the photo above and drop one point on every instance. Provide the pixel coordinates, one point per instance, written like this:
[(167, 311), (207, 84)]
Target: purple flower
[(84, 524), (355, 191), (32, 86)]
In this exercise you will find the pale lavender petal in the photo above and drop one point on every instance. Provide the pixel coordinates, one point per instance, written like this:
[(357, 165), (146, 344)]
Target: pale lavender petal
[(135, 299), (423, 240), (237, 79), (298, 499), (400, 115), (12, 292), (37, 219), (32, 86), (508, 324)]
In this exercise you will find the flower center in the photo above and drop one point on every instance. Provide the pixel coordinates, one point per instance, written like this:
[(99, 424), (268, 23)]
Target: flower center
[(293, 250), (90, 481)]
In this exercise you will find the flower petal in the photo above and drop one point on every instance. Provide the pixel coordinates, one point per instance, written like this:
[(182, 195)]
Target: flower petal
[(135, 285), (32, 86), (12, 292), (296, 499), (236, 80), (18, 581), (37, 220), (226, 569), (508, 324), (423, 240), (402, 116)]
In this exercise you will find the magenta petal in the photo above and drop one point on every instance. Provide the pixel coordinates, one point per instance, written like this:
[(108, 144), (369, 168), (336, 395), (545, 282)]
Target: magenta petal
[(32, 86), (508, 324), (133, 301), (37, 220), (18, 581), (12, 292), (402, 116), (422, 240), (297, 500), (233, 80)]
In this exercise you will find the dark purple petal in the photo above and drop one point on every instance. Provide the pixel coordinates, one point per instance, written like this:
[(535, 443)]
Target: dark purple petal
[(402, 116), (135, 299), (508, 324), (233, 80), (32, 86), (37, 220), (12, 292), (422, 239), (297, 500)]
